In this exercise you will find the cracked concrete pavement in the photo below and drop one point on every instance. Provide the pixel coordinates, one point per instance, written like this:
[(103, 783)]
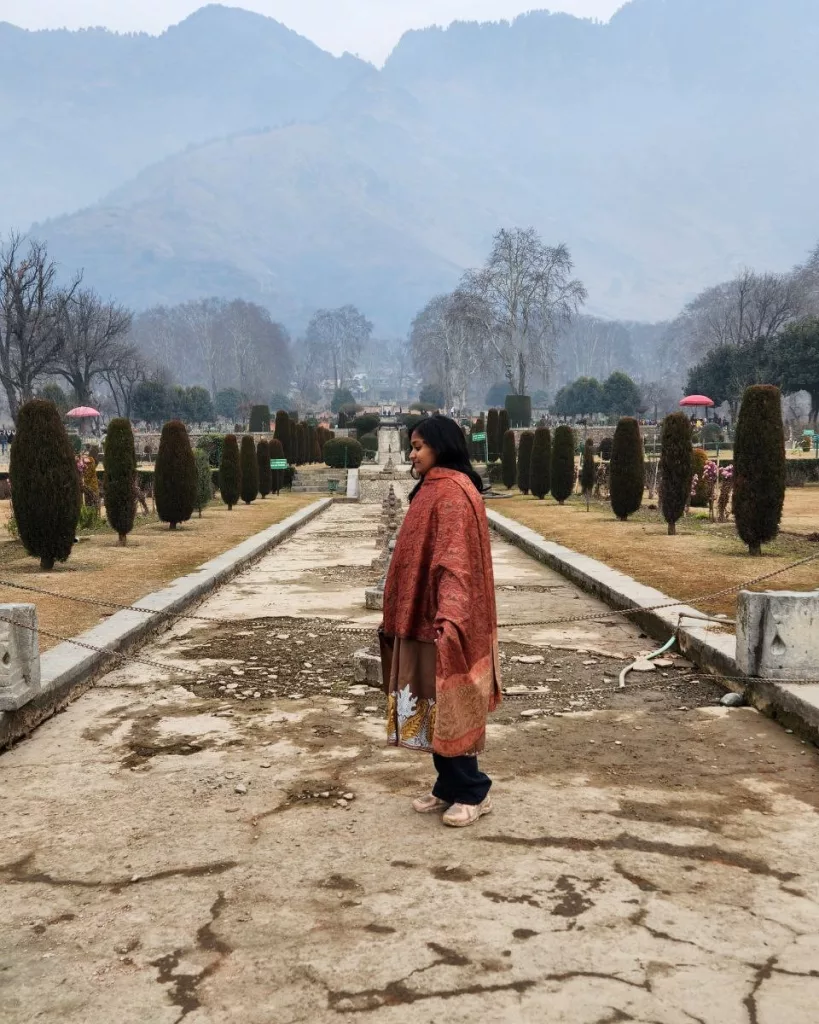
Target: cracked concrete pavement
[(644, 863)]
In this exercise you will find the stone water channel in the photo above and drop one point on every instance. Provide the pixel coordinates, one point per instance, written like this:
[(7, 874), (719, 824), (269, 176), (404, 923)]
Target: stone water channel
[(241, 847)]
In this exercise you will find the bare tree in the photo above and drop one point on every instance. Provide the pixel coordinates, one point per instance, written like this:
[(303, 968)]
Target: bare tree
[(260, 348), (32, 310), (449, 344), (122, 377), (92, 332), (525, 293), (335, 337), (591, 347), (748, 310)]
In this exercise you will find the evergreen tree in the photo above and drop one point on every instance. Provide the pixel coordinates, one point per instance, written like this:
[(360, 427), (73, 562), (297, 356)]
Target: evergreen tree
[(493, 437), (627, 469), (503, 422), (563, 471), (759, 466), (478, 447), (45, 485), (282, 433), (175, 475), (259, 419), (230, 472), (295, 450), (204, 480), (588, 471), (277, 475), (250, 470), (120, 477), (265, 472), (509, 460), (541, 471), (527, 440), (676, 468)]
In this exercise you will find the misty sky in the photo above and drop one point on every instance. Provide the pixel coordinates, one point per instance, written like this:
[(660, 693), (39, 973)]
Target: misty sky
[(367, 27)]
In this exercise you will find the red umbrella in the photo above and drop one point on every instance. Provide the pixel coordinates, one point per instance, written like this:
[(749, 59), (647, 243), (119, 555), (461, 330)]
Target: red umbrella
[(82, 412), (697, 400)]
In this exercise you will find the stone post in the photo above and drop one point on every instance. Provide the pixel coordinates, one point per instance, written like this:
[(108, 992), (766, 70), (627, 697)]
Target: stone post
[(778, 634), (19, 656)]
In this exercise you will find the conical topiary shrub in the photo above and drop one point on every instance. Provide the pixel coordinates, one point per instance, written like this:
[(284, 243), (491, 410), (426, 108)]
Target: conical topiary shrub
[(175, 475), (282, 433), (563, 471), (627, 469), (230, 472), (493, 436), (250, 470), (277, 475), (265, 473), (204, 480), (503, 422), (588, 471), (510, 466), (45, 484), (120, 477), (527, 440), (259, 419), (478, 447), (676, 468), (759, 466), (699, 486), (541, 471), (295, 453)]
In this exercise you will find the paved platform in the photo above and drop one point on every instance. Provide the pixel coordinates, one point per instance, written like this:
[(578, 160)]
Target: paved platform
[(180, 851)]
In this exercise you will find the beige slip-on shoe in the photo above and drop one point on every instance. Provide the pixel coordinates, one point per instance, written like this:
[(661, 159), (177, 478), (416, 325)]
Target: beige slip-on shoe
[(461, 815), (429, 804)]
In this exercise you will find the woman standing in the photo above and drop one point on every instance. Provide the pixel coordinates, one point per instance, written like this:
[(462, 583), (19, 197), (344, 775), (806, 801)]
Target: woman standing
[(439, 644)]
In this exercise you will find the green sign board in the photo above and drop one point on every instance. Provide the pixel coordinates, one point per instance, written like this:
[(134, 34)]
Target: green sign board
[(278, 463), (808, 433), (479, 437)]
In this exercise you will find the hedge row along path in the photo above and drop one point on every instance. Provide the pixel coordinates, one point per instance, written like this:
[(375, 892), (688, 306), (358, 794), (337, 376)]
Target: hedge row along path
[(651, 856)]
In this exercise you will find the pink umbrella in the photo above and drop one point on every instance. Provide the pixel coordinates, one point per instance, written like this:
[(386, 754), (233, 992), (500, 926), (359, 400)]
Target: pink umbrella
[(697, 400), (83, 412)]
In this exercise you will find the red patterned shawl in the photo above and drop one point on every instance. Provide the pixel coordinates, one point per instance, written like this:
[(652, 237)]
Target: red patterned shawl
[(441, 588)]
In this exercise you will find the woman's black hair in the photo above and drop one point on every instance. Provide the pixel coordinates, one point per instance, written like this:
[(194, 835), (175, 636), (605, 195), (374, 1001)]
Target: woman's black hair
[(445, 437)]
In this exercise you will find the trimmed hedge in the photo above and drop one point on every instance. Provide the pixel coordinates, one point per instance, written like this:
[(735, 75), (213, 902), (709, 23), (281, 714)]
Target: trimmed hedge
[(519, 408), (230, 472), (563, 471), (540, 475), (510, 467), (527, 440), (343, 453), (676, 467), (250, 470), (175, 476), (627, 469), (369, 442), (120, 477), (259, 419), (45, 485), (759, 466)]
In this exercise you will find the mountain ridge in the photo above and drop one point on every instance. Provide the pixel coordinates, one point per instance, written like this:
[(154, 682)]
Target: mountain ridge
[(642, 148)]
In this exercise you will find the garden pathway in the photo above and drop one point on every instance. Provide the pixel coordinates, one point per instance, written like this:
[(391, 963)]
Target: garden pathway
[(174, 847)]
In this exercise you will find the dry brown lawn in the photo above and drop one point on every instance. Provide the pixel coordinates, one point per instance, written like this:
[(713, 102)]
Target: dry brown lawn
[(704, 557), (154, 557)]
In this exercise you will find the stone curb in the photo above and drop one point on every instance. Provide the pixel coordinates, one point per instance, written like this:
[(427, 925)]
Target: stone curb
[(67, 671), (795, 705)]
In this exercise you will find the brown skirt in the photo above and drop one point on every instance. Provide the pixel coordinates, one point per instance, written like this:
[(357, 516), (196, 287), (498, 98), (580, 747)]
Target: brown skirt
[(408, 671)]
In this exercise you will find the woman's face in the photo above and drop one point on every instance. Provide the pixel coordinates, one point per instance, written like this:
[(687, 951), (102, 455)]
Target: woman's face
[(422, 456)]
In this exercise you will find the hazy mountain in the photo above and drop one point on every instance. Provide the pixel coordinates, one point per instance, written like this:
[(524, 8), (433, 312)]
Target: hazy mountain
[(666, 148), (81, 112)]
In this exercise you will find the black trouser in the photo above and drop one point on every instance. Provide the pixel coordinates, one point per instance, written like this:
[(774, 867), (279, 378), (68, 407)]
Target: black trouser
[(460, 781)]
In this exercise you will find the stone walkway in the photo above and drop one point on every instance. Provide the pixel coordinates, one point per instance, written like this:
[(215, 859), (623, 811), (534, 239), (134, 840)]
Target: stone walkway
[(175, 850)]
